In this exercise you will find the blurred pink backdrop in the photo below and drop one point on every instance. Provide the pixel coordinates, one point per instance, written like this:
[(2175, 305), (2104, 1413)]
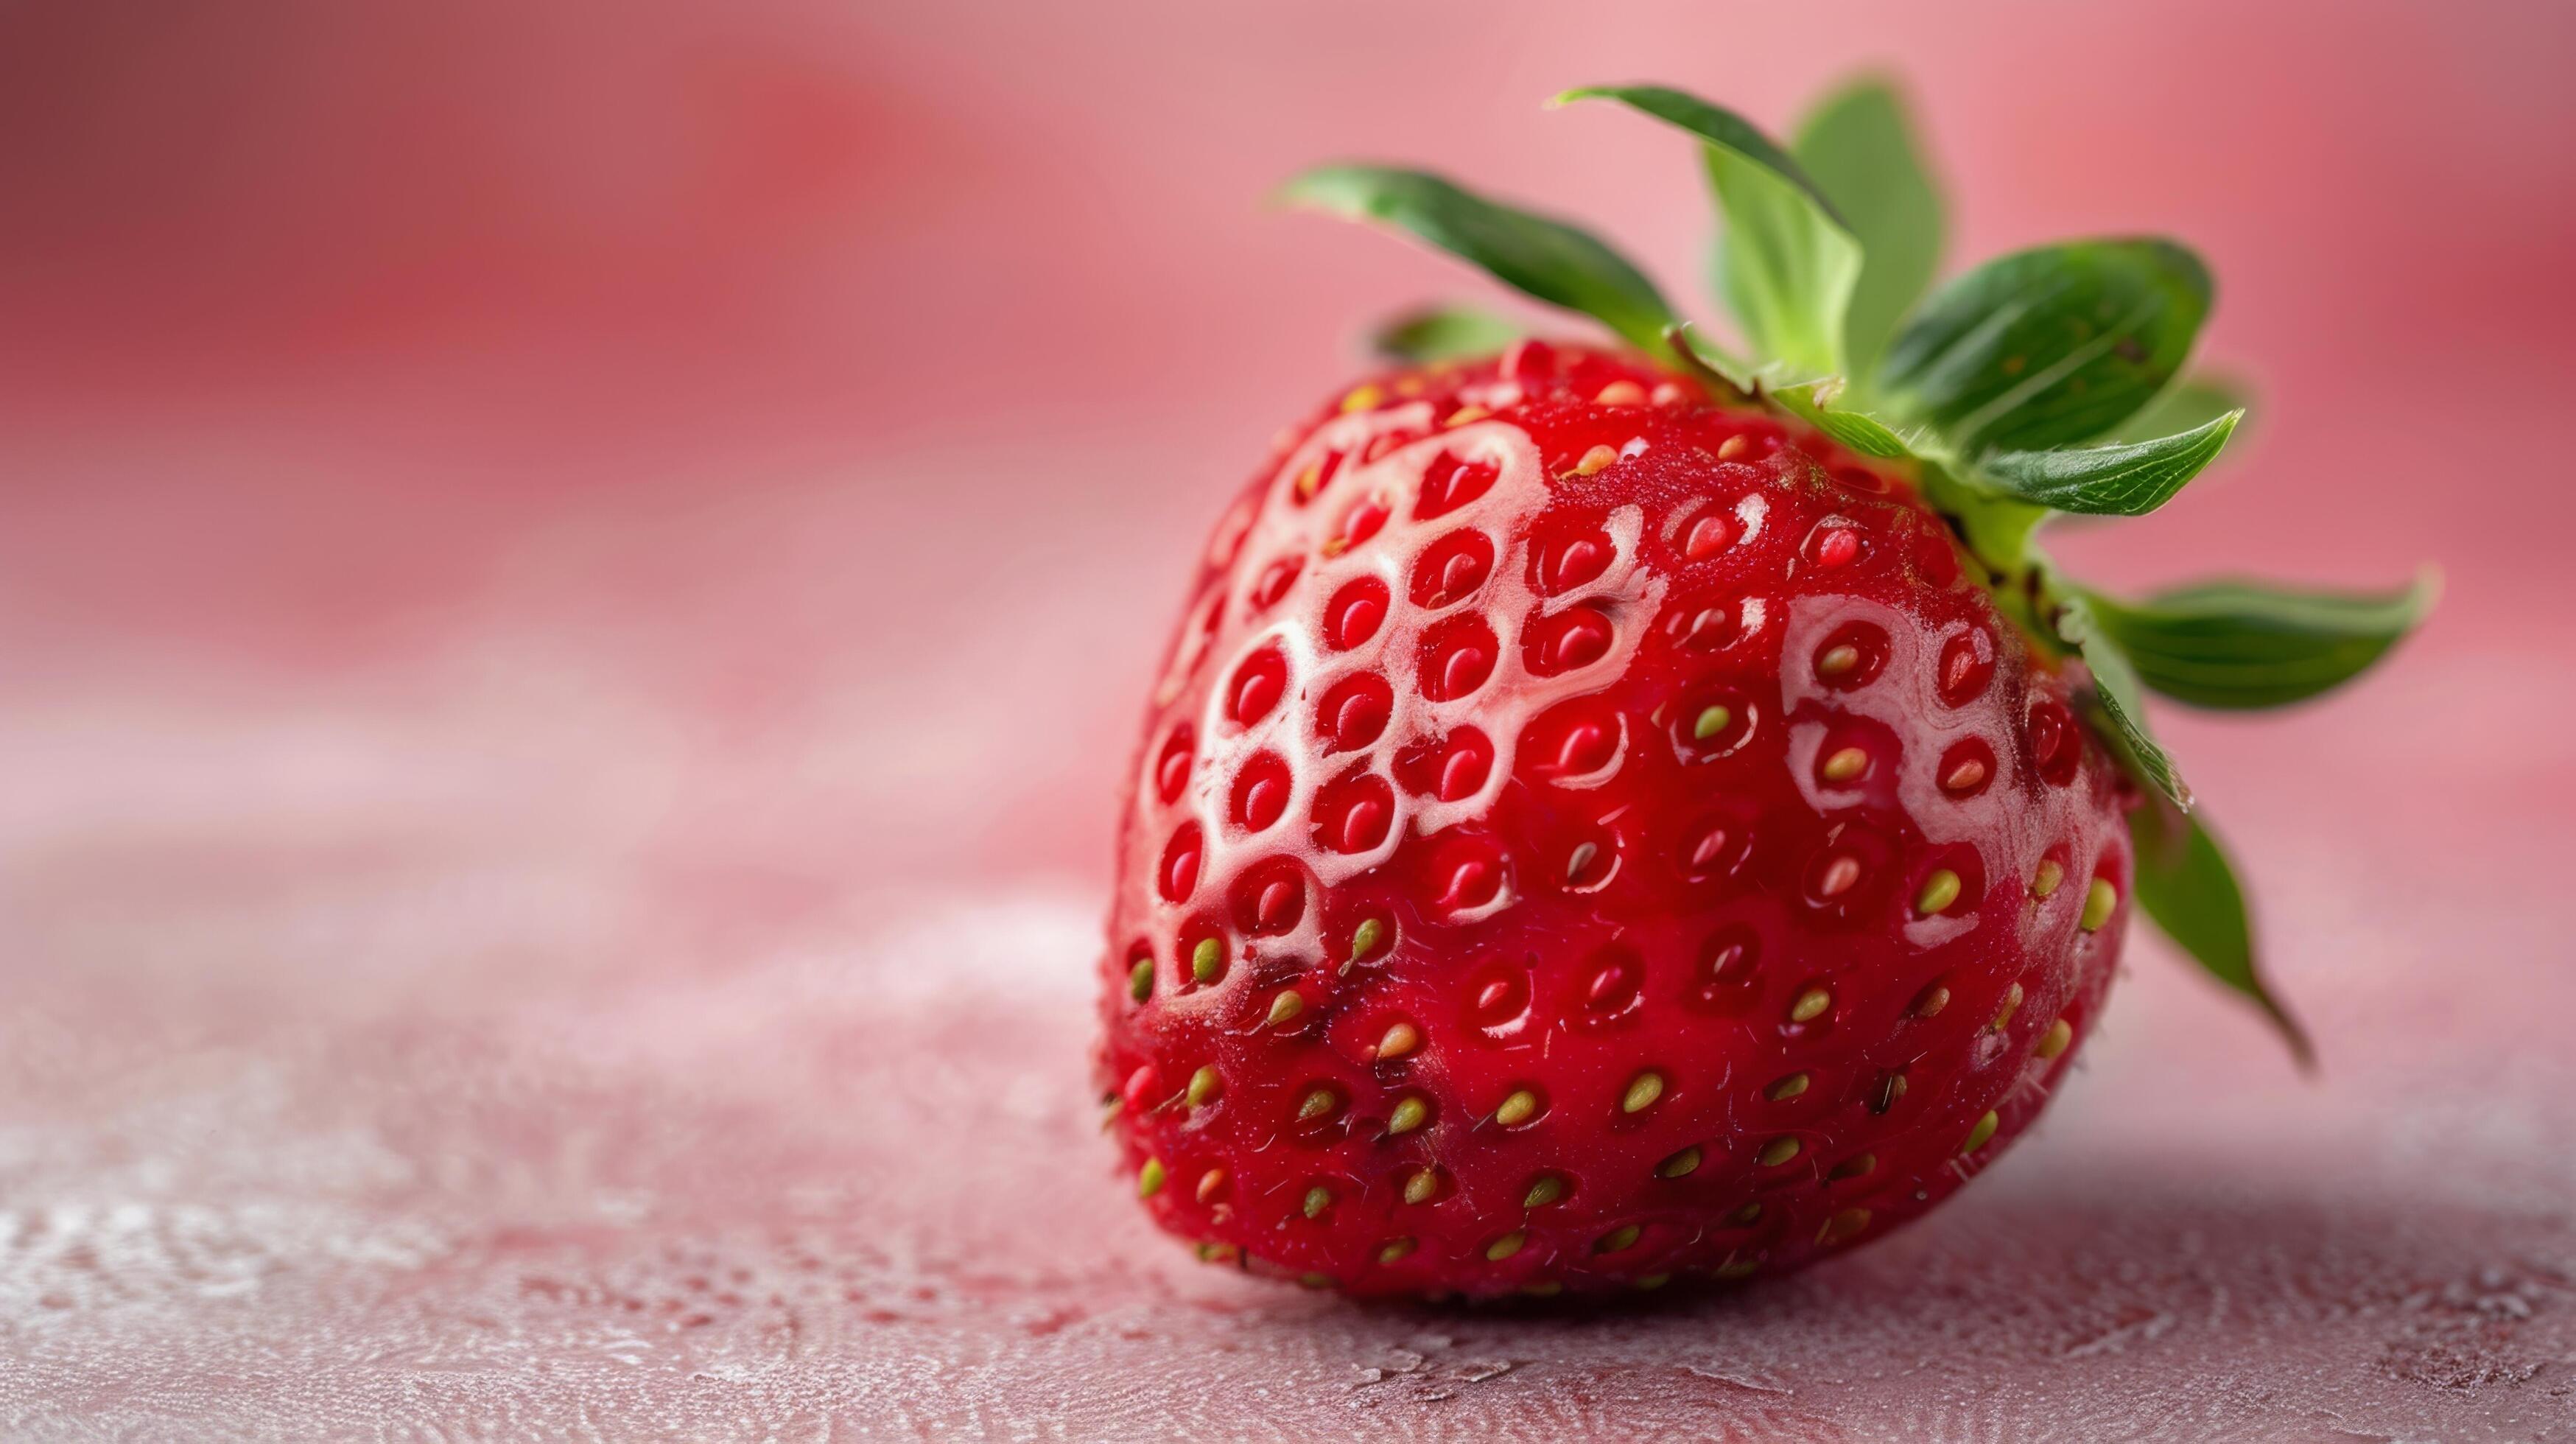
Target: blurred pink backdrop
[(520, 523)]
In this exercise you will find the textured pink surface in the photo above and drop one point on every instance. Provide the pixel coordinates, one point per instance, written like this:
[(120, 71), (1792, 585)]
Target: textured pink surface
[(531, 902), (492, 1044)]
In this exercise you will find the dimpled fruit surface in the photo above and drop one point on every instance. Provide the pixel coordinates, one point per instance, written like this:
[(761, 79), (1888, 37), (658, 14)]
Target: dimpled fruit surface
[(1583, 837)]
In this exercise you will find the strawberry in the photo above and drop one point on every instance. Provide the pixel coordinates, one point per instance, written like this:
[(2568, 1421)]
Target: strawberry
[(1618, 813)]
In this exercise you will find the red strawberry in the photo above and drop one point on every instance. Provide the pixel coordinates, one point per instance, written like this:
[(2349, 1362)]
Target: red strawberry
[(1679, 864), (1594, 826)]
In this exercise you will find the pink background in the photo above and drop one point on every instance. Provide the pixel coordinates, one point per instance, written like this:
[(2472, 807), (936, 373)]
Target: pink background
[(574, 581)]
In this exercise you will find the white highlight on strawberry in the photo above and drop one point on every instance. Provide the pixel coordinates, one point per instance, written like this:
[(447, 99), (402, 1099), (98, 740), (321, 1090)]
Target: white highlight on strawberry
[(1506, 703)]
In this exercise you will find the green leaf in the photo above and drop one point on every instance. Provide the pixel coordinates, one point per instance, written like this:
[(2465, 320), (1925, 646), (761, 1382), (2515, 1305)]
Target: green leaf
[(2187, 887), (1787, 263), (1544, 258), (2240, 645), (2050, 346), (1712, 123), (1725, 376), (2190, 402), (1857, 430), (1443, 333), (2108, 480), (1859, 147), (2119, 704), (1786, 273)]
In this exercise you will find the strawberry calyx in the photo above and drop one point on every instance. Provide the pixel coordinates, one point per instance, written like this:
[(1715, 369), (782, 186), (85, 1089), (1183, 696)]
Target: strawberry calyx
[(2043, 383)]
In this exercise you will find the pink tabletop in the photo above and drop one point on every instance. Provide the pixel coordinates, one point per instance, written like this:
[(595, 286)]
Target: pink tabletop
[(573, 592)]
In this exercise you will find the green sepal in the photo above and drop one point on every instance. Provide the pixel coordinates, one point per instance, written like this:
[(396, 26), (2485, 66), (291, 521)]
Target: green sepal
[(2186, 886), (1725, 377), (2129, 480), (1543, 258), (2119, 704), (1786, 262), (1713, 123), (1856, 430), (2050, 346), (2192, 401), (2240, 645), (1858, 145), (1443, 333)]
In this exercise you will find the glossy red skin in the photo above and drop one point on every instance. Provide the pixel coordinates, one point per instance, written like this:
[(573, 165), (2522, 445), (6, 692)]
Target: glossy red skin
[(1513, 994)]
